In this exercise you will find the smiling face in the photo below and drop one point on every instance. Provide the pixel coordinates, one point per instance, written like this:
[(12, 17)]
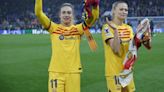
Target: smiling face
[(66, 15), (120, 11)]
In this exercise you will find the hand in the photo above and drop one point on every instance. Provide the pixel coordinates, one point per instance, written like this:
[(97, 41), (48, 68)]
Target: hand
[(146, 37), (91, 3), (139, 28), (147, 41), (143, 25), (112, 25)]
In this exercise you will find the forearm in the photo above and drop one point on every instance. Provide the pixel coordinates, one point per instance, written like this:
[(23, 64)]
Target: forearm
[(115, 45), (40, 15)]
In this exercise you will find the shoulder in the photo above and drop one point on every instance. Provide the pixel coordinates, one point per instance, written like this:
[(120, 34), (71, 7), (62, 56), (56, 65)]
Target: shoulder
[(105, 26), (52, 27), (79, 28), (77, 25), (128, 26), (54, 24), (106, 29)]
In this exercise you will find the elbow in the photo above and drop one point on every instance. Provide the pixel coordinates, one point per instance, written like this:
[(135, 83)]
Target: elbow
[(115, 50), (37, 13)]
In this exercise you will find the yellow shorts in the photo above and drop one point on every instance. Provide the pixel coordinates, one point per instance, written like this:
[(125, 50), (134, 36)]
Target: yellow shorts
[(63, 82), (114, 85)]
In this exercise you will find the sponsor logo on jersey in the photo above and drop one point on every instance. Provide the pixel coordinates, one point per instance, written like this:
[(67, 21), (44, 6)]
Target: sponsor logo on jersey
[(107, 32), (71, 38)]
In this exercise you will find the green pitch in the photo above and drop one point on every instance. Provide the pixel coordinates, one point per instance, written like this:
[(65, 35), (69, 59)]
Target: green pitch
[(24, 61)]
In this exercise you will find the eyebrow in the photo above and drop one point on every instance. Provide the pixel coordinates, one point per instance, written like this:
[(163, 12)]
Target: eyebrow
[(66, 11), (124, 8)]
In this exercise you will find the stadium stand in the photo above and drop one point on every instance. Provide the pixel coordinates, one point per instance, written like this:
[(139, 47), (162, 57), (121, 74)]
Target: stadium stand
[(16, 14)]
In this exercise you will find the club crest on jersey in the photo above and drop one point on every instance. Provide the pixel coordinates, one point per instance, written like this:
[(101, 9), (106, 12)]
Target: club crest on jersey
[(61, 37)]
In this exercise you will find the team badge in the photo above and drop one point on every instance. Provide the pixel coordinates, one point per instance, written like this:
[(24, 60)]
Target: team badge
[(61, 37)]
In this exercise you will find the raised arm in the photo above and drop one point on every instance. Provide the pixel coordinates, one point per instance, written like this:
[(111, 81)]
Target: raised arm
[(115, 41), (91, 14), (44, 20)]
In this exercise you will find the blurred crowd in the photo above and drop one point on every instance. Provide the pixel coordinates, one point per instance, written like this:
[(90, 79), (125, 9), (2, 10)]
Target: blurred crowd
[(16, 14)]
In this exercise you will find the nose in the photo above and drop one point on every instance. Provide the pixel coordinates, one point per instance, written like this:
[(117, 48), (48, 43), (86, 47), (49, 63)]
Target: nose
[(125, 11), (66, 14)]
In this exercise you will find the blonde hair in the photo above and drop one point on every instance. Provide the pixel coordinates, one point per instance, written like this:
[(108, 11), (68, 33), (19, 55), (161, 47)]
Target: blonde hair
[(67, 4)]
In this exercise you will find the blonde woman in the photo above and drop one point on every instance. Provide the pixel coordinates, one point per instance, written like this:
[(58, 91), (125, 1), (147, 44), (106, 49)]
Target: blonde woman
[(116, 36)]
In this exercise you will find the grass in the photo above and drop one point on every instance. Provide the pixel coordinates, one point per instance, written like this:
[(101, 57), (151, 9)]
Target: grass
[(24, 61)]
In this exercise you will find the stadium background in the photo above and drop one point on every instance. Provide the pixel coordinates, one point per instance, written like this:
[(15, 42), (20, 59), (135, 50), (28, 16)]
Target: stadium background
[(24, 58)]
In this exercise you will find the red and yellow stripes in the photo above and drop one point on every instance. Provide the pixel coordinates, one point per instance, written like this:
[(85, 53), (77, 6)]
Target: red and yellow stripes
[(124, 34), (65, 32)]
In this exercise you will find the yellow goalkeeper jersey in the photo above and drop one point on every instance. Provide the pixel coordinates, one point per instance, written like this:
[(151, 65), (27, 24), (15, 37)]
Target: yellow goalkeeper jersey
[(113, 62), (65, 48), (65, 41)]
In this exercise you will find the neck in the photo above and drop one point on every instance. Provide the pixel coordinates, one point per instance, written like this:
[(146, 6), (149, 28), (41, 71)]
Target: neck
[(66, 24), (118, 21)]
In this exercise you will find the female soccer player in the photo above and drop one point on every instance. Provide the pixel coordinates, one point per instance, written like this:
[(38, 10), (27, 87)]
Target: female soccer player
[(65, 67), (116, 36)]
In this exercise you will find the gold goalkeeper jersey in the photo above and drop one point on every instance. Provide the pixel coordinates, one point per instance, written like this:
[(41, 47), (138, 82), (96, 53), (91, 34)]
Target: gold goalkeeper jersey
[(65, 41), (65, 48), (113, 62)]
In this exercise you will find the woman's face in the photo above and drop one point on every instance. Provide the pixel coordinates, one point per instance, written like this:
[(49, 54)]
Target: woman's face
[(121, 11), (66, 15)]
